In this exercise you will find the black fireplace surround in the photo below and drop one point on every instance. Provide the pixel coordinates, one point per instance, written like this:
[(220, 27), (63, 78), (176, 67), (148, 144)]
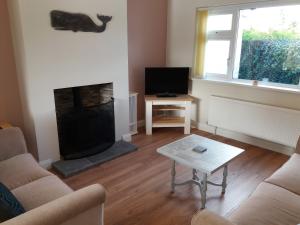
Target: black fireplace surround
[(86, 124)]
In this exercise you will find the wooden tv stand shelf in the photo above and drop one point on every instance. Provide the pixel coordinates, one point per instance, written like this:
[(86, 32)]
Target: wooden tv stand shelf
[(156, 104)]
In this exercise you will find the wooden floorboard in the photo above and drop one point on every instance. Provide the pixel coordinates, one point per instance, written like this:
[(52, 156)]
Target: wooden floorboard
[(138, 184)]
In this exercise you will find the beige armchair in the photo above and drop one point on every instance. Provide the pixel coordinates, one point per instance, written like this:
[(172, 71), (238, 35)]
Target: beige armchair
[(46, 199)]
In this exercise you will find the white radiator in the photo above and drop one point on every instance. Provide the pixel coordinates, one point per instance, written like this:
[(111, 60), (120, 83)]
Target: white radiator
[(279, 125)]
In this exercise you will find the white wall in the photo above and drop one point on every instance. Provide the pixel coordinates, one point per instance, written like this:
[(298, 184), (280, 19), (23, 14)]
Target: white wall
[(49, 59), (181, 39)]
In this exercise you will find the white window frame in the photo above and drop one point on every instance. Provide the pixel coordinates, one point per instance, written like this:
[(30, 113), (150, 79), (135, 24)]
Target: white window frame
[(222, 35), (233, 37)]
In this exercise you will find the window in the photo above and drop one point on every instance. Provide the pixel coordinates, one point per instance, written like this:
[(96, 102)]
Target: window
[(219, 22), (219, 41), (261, 43), (217, 53)]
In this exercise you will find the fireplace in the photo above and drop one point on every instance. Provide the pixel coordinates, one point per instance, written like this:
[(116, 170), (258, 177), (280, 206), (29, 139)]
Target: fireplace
[(85, 120)]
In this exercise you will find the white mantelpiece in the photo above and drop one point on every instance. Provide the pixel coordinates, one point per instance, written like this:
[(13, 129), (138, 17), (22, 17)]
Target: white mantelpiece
[(49, 59)]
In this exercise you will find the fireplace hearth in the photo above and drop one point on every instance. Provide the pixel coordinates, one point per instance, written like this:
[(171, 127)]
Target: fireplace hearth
[(85, 120)]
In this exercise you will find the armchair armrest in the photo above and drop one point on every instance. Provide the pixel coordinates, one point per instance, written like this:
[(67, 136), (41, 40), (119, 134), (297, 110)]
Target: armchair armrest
[(81, 207), (208, 218), (12, 143)]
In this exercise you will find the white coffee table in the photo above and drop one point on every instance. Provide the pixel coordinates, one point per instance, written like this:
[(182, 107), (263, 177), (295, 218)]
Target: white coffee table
[(217, 156)]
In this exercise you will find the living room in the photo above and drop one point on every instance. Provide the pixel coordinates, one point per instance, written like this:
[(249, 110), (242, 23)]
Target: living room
[(228, 156)]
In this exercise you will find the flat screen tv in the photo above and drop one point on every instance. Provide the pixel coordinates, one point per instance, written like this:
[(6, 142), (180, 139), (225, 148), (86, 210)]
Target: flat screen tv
[(167, 82)]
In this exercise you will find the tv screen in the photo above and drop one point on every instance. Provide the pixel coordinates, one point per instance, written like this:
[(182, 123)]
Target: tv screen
[(166, 81)]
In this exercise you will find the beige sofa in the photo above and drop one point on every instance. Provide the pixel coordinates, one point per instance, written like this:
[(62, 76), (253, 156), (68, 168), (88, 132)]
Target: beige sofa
[(275, 202), (46, 199)]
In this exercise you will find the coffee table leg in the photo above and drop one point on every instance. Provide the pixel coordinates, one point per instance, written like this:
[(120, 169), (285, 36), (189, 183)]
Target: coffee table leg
[(224, 183), (203, 191), (173, 174)]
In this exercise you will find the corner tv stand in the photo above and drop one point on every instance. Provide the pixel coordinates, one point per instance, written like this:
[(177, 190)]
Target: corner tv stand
[(168, 112)]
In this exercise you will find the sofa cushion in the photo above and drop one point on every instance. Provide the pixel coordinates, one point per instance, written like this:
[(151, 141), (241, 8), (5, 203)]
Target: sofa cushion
[(269, 205), (10, 207), (288, 176), (41, 191), (20, 170)]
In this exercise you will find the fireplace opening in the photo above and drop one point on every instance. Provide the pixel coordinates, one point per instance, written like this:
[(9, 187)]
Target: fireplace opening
[(85, 120)]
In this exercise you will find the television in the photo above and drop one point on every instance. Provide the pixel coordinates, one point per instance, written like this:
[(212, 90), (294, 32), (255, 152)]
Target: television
[(167, 81)]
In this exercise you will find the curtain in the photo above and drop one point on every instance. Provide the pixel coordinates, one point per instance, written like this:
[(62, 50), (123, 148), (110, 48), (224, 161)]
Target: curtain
[(200, 43)]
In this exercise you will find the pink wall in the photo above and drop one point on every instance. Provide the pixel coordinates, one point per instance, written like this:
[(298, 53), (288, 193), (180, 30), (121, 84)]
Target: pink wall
[(10, 104), (147, 37)]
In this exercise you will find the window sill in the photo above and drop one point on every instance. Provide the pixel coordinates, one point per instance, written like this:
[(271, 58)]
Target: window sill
[(247, 83)]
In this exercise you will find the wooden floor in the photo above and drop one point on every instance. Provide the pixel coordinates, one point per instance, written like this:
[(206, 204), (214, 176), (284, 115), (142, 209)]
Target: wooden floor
[(138, 184)]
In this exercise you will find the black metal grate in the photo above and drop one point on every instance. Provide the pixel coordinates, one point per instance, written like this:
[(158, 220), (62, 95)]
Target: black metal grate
[(84, 130)]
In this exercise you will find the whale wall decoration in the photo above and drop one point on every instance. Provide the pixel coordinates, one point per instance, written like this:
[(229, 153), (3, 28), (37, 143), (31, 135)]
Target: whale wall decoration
[(75, 22)]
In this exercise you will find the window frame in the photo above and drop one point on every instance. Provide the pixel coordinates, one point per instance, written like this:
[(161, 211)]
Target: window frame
[(233, 57), (222, 35)]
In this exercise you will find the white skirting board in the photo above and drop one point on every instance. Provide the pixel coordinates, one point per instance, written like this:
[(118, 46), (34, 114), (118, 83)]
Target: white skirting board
[(274, 124)]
